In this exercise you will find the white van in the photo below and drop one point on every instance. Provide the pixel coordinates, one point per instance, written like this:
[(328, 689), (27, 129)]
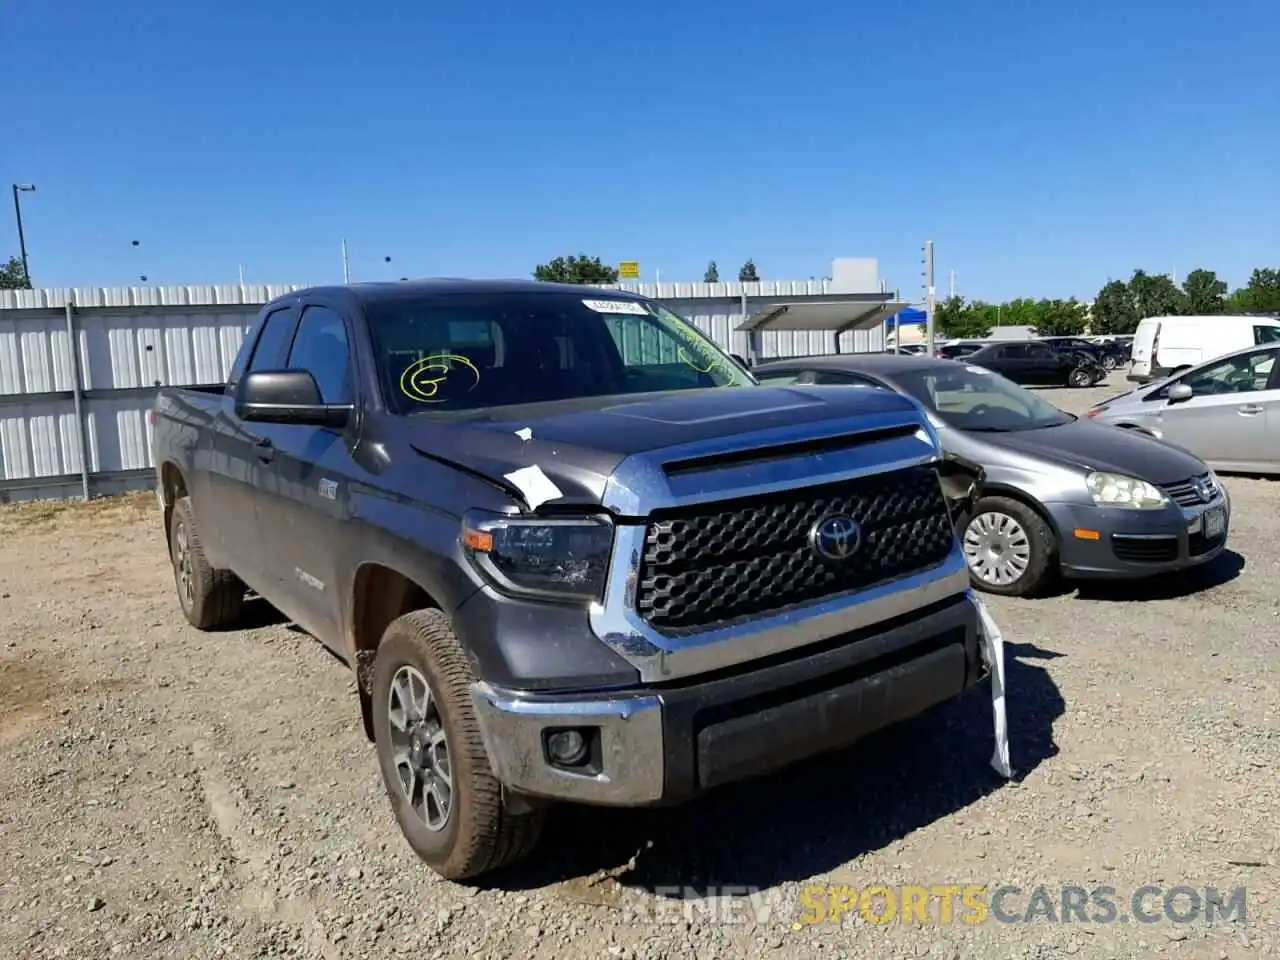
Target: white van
[(1165, 345)]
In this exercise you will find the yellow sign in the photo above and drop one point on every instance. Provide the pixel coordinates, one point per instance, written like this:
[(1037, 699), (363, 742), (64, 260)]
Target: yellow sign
[(629, 269)]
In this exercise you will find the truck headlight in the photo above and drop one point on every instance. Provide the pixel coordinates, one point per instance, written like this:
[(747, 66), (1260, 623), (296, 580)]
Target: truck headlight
[(1117, 490), (564, 558)]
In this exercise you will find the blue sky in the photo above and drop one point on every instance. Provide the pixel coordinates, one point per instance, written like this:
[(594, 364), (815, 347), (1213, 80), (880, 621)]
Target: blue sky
[(1043, 146)]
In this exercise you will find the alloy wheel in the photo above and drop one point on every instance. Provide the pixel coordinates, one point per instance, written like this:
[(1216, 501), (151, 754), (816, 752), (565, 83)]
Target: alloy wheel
[(420, 749)]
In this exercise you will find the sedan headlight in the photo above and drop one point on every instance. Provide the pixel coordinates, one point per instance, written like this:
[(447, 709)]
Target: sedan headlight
[(1117, 490), (565, 558)]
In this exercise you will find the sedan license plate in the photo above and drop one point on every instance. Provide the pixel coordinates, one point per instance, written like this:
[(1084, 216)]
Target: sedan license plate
[(1215, 523)]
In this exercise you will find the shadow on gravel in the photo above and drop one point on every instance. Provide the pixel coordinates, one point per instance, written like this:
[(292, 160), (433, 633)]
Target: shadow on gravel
[(257, 614), (811, 818), (1222, 569)]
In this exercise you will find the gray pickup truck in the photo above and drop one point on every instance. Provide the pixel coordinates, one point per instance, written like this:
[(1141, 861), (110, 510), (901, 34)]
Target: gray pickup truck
[(571, 550)]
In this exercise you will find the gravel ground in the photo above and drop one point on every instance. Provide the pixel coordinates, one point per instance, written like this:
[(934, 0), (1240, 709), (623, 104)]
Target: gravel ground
[(166, 793)]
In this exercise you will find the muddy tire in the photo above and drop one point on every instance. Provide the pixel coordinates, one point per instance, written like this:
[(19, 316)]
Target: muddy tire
[(1009, 549), (444, 795), (210, 599)]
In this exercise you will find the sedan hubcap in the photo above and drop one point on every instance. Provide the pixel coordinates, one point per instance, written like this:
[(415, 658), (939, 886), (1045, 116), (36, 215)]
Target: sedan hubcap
[(420, 749), (183, 568), (997, 549)]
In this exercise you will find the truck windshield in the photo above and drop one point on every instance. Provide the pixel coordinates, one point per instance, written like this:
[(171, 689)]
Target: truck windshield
[(974, 398), (473, 351)]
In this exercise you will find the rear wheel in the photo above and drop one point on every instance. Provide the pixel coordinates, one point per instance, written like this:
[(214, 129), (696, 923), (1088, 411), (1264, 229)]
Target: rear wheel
[(1009, 548), (1110, 361), (211, 599), (444, 795), (1079, 377)]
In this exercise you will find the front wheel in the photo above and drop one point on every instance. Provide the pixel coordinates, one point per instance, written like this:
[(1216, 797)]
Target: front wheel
[(1009, 548), (1110, 362), (1079, 377), (444, 795)]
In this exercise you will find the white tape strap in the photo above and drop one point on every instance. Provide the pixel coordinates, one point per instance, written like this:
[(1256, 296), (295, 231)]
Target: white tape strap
[(993, 654)]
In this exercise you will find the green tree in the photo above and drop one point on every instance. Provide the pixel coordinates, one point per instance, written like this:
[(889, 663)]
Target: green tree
[(713, 273), (1060, 318), (1261, 293), (748, 273), (1156, 295), (580, 269), (955, 318), (1206, 294), (12, 276), (1114, 311)]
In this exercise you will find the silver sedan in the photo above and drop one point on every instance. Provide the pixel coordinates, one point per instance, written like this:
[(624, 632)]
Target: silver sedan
[(1225, 411)]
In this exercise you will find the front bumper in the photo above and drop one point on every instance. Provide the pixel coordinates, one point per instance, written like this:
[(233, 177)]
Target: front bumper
[(664, 744), (1136, 543)]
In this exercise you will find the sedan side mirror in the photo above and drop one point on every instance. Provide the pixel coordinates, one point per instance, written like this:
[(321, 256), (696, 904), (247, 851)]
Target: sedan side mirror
[(287, 396), (1180, 392)]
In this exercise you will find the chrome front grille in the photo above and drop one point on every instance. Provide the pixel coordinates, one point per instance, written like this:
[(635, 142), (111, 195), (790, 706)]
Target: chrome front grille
[(1193, 492)]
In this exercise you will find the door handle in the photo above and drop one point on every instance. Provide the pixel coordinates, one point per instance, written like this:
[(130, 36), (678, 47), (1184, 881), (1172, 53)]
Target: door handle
[(1249, 408), (263, 448)]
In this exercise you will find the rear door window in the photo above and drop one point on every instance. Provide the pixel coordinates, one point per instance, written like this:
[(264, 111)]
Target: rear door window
[(321, 348), (269, 352), (1266, 334)]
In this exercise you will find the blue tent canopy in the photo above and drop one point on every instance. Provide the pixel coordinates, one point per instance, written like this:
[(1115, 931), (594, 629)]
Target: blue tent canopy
[(908, 316)]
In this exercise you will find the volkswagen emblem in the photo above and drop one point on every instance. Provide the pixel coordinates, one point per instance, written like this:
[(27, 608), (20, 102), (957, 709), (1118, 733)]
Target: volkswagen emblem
[(835, 537), (1204, 489)]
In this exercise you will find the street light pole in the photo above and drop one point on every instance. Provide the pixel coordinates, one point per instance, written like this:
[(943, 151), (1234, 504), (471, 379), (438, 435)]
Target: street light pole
[(22, 238)]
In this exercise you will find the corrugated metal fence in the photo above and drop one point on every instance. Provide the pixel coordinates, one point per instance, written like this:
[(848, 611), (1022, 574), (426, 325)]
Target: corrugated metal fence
[(73, 421)]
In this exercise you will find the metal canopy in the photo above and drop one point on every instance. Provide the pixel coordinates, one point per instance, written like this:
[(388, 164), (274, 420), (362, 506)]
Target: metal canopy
[(836, 314)]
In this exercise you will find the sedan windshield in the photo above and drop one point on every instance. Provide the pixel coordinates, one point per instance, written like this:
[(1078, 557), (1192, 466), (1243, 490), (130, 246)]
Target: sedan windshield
[(472, 351), (973, 398)]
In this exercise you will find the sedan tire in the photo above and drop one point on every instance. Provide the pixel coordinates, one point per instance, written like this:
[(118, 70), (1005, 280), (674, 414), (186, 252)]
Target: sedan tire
[(1009, 548), (1080, 377)]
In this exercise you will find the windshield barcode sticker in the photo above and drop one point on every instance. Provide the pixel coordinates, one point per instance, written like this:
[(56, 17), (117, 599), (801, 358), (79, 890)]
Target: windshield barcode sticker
[(616, 306)]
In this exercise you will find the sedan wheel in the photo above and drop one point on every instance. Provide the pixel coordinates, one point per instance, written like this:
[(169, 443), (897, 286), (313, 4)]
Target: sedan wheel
[(1008, 547), (1080, 378), (997, 549)]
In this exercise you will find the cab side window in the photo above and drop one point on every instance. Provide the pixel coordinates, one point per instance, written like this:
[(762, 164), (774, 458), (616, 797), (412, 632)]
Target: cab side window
[(321, 348), (268, 353), (1036, 351)]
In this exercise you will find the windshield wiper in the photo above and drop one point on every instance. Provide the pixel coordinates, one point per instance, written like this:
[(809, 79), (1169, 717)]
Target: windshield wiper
[(990, 429)]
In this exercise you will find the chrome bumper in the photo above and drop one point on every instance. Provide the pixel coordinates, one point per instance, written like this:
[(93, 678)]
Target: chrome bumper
[(631, 739), (658, 746)]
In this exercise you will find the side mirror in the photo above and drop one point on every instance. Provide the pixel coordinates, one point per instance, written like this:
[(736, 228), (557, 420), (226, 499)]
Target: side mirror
[(287, 396), (1180, 392)]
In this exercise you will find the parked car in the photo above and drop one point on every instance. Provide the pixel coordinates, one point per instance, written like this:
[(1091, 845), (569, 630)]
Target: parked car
[(1035, 365), (564, 558), (1106, 355), (957, 349), (1226, 411), (1058, 494), (1166, 346)]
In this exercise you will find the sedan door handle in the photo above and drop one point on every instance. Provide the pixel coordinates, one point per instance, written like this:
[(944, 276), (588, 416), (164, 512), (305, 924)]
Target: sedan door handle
[(263, 448), (1249, 408)]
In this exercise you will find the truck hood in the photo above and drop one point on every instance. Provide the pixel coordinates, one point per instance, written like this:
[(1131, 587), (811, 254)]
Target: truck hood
[(577, 444), (1093, 446)]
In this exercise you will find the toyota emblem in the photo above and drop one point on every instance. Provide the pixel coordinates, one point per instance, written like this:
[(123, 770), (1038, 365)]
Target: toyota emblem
[(836, 537)]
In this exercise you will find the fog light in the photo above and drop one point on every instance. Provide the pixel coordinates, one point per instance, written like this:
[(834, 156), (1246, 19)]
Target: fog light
[(567, 748)]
